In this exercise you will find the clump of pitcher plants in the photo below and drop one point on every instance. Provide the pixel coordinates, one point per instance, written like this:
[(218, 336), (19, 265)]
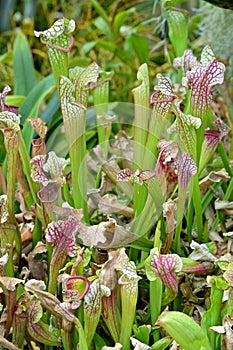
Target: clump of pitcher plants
[(110, 245)]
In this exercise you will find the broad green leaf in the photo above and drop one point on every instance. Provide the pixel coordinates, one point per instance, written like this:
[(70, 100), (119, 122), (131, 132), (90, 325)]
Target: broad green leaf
[(140, 46), (186, 332), (31, 105), (24, 78), (52, 114), (57, 142), (189, 262)]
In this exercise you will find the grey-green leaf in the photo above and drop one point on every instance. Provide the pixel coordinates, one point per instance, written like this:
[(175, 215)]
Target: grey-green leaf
[(24, 78)]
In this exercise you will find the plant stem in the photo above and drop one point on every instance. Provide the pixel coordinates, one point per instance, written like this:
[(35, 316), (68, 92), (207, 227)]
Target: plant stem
[(189, 220), (156, 289), (141, 122), (179, 218), (11, 144), (77, 154), (155, 128), (152, 208), (26, 166), (197, 205), (2, 181)]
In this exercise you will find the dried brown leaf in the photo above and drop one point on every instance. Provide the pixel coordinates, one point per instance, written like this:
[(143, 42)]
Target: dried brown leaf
[(63, 213), (214, 177), (201, 252), (226, 331), (47, 300), (123, 148), (105, 235), (116, 260), (226, 206), (111, 169), (38, 147), (227, 341), (37, 266), (9, 283), (109, 204), (169, 209)]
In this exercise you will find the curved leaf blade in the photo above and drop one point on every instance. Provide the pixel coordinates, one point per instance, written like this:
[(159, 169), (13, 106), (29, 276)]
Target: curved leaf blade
[(24, 77), (186, 332)]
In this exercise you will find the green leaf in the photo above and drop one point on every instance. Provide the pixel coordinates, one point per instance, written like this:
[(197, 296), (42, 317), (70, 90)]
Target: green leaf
[(100, 10), (31, 105), (14, 100), (24, 78), (2, 148), (186, 332), (142, 333), (119, 21), (140, 46), (212, 315), (88, 46), (169, 3), (52, 114), (103, 26), (106, 45), (162, 344), (57, 142), (178, 29)]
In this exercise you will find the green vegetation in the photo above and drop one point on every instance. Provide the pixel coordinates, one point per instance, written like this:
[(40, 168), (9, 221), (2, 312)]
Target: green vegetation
[(116, 185)]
